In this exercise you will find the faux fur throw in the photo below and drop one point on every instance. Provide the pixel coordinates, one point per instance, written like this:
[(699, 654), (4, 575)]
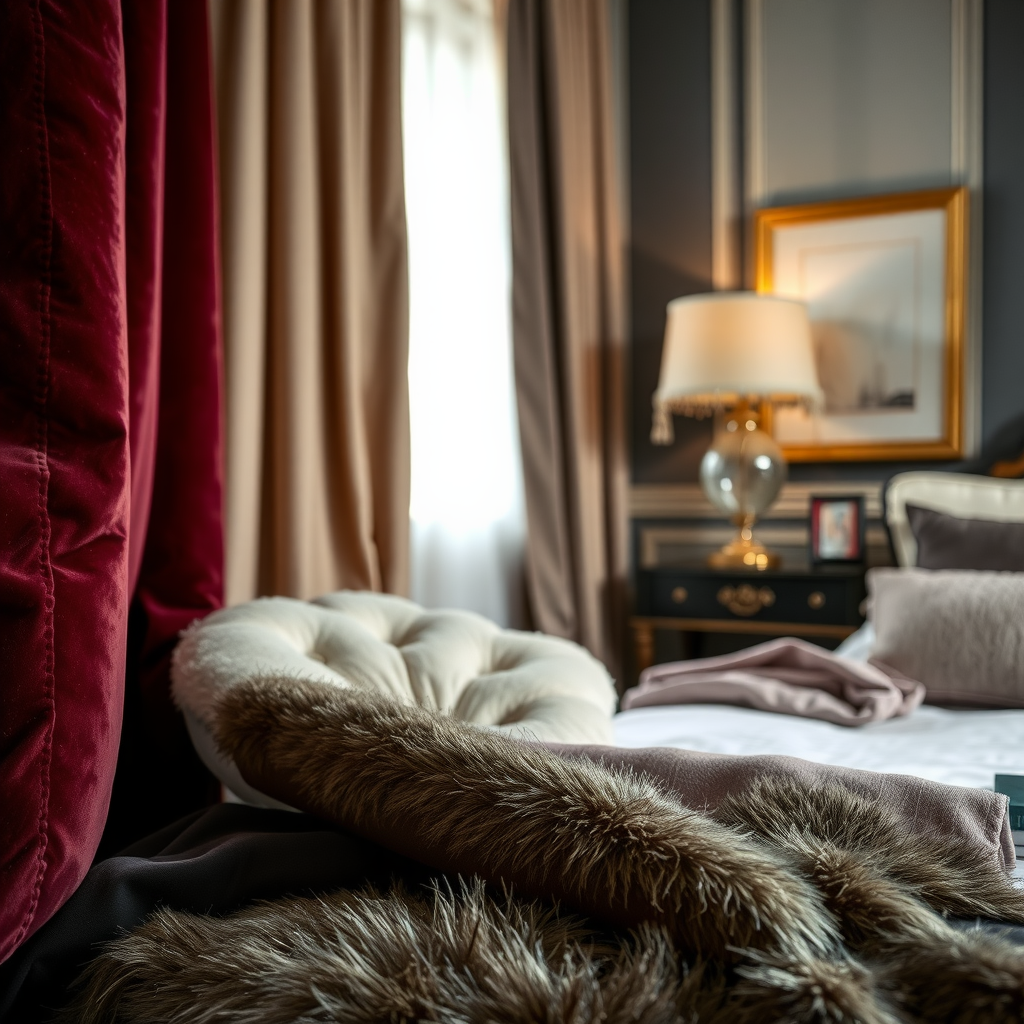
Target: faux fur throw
[(787, 905)]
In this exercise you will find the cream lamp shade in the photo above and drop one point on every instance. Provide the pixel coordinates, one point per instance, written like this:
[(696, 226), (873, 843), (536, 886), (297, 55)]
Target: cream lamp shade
[(726, 347)]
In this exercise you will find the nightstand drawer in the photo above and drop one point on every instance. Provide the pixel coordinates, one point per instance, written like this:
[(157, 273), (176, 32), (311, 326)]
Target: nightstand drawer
[(764, 597)]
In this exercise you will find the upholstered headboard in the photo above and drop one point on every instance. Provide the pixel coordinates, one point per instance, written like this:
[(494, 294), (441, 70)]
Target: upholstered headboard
[(956, 494)]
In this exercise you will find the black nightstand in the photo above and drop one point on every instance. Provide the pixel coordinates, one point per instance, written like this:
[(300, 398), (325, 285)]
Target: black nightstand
[(799, 601)]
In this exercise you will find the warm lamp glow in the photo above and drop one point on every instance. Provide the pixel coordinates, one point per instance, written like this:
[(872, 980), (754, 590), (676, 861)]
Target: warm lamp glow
[(728, 347), (732, 351)]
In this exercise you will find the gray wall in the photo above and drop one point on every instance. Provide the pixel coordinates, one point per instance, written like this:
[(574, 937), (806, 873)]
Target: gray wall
[(858, 97), (1002, 354), (669, 61), (670, 200)]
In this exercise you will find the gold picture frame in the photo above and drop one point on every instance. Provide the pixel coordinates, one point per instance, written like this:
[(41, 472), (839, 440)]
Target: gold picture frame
[(906, 265)]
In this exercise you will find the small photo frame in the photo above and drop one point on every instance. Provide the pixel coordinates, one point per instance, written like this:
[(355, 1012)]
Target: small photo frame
[(837, 528)]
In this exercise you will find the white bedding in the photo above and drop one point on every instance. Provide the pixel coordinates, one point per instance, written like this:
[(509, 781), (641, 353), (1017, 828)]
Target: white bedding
[(960, 748), (963, 748)]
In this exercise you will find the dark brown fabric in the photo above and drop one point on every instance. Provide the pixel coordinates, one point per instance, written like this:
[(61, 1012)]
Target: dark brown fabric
[(949, 542), (567, 319), (211, 862)]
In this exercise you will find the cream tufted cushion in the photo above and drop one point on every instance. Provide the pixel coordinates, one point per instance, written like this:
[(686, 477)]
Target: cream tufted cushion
[(526, 684)]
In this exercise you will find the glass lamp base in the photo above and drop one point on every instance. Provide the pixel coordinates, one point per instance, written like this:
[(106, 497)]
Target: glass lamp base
[(741, 474), (743, 552)]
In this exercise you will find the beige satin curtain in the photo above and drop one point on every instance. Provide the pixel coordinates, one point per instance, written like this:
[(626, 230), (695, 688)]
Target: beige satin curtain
[(315, 295), (568, 318)]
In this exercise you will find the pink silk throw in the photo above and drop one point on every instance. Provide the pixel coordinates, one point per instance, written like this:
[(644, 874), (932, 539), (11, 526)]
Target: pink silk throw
[(977, 818), (787, 676)]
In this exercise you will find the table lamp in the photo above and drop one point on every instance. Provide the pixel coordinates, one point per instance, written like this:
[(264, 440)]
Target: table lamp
[(733, 355)]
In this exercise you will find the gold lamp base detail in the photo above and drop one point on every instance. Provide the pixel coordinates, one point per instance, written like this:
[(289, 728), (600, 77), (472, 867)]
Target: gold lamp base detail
[(744, 552)]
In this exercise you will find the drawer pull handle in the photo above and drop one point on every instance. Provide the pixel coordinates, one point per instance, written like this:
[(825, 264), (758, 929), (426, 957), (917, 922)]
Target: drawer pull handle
[(745, 599), (680, 594), (816, 600)]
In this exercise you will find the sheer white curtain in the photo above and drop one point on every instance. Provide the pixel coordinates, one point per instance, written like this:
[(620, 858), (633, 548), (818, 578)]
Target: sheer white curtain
[(467, 508)]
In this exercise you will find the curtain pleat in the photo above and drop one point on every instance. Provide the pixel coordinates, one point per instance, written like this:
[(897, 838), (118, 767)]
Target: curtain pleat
[(110, 454), (568, 318), (174, 393), (315, 295)]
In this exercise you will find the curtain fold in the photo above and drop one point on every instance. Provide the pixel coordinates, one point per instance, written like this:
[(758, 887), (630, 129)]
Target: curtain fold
[(109, 428), (176, 551), (315, 295), (568, 318), (467, 510)]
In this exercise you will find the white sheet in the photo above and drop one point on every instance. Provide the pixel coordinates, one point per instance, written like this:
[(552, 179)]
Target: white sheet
[(963, 748), (857, 646)]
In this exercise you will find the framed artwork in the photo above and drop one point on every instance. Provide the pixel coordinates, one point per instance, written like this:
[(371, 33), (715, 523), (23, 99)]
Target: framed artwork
[(884, 282), (837, 529)]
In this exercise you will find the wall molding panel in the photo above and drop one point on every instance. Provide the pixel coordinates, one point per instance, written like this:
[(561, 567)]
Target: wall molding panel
[(688, 501), (726, 188), (967, 149), (958, 161)]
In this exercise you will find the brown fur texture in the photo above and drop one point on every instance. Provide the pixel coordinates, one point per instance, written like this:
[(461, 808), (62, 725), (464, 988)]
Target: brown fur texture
[(792, 905), (446, 957), (884, 886), (610, 844)]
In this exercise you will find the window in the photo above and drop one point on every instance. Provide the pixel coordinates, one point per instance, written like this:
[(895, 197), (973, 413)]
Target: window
[(467, 497)]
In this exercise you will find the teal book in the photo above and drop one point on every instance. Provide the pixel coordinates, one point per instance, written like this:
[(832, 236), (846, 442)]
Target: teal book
[(1013, 787)]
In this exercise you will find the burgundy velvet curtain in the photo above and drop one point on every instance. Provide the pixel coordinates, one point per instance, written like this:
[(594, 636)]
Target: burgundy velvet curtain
[(176, 555), (109, 416)]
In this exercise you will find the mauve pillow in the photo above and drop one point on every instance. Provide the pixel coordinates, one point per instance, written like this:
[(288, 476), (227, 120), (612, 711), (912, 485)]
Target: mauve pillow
[(949, 542), (959, 632)]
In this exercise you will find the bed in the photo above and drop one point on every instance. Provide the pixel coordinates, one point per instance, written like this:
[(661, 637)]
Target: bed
[(786, 900), (951, 745), (956, 747)]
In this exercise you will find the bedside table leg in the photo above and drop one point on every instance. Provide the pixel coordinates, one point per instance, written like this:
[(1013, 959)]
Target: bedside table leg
[(643, 646)]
